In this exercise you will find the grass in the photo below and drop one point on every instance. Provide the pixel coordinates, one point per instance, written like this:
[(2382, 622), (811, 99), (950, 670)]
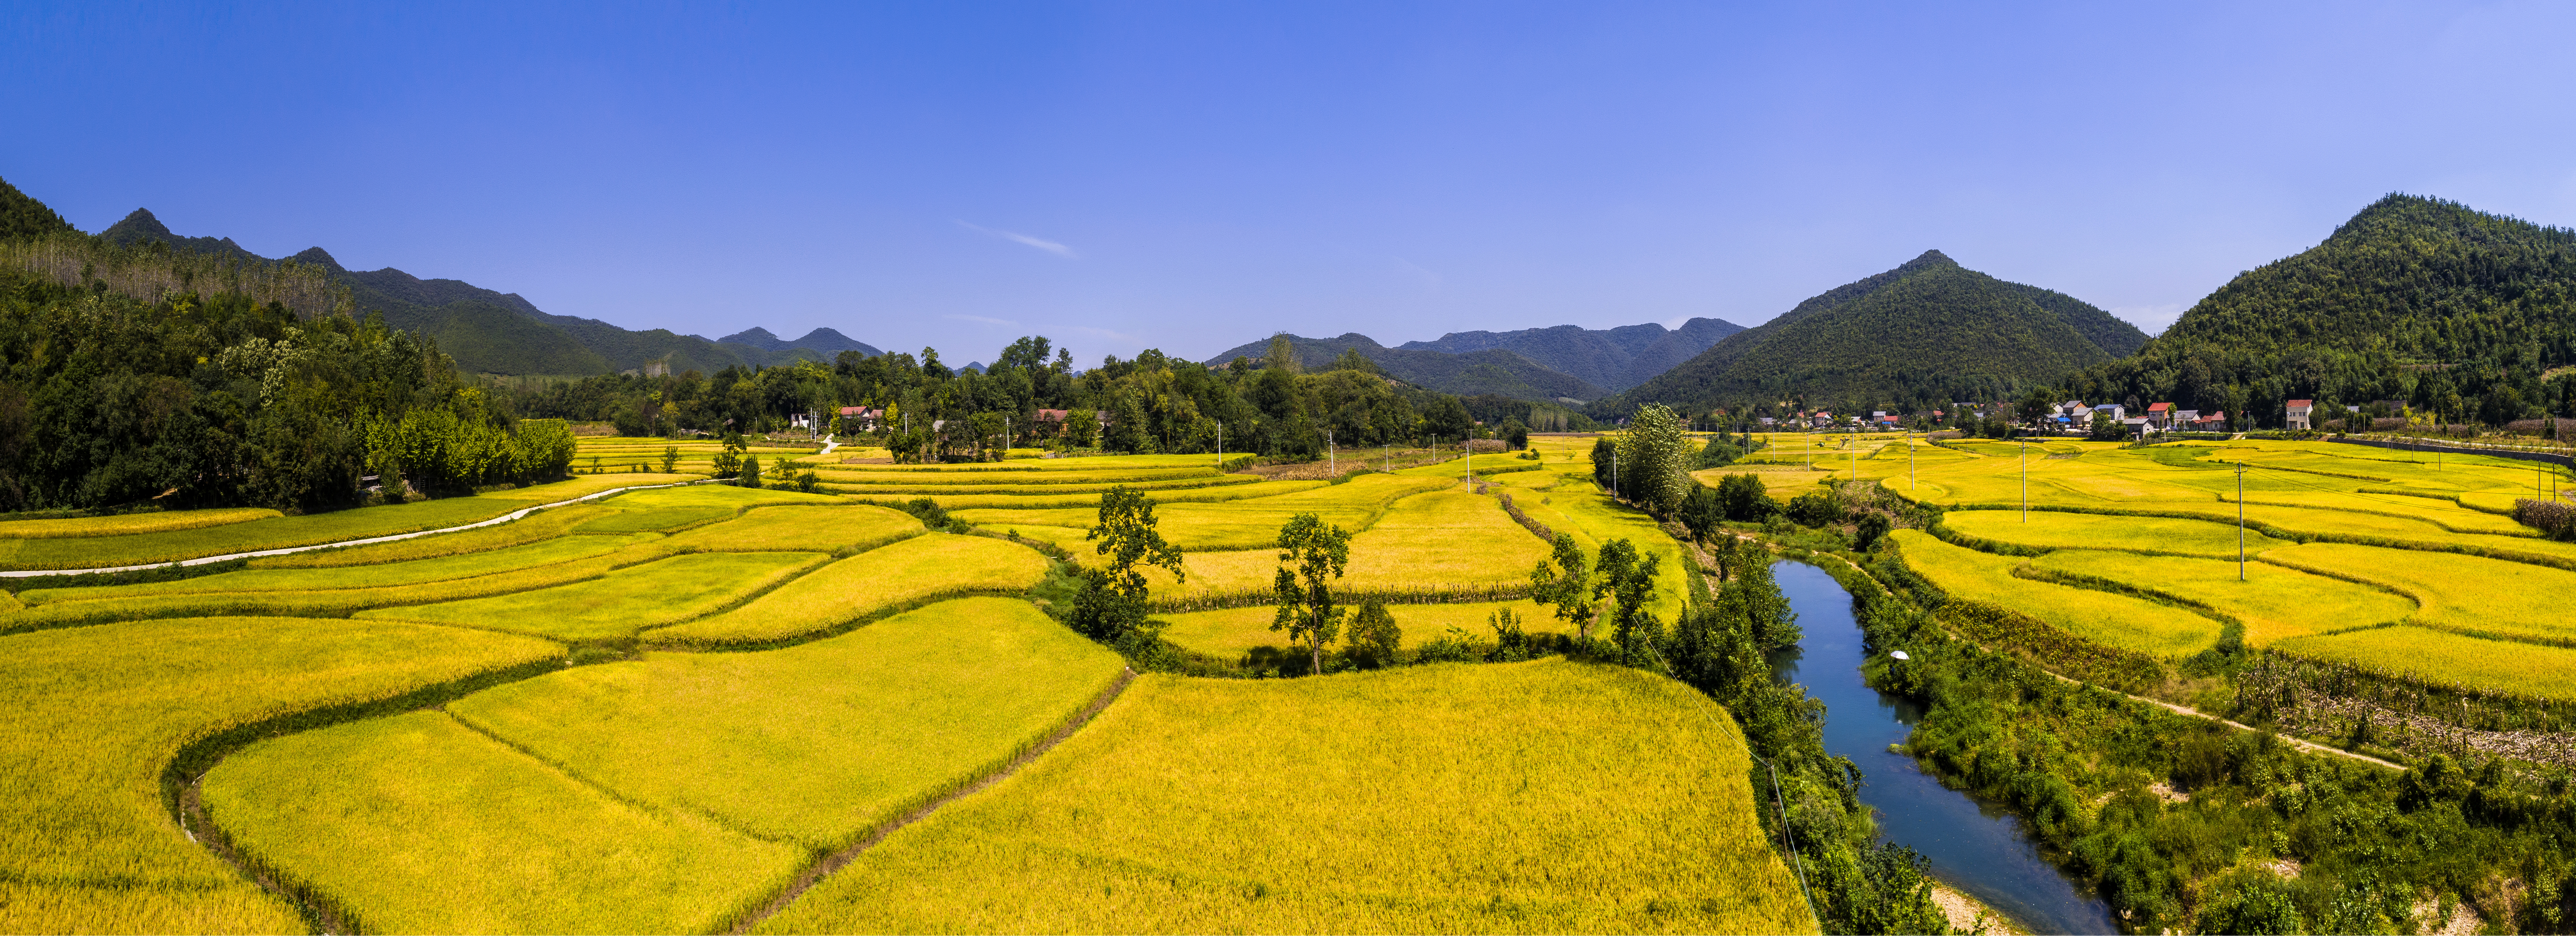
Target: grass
[(1422, 799), (279, 532), (2047, 529), (1234, 632), (97, 715), (2109, 619), (535, 527), (470, 565), (2274, 602), (622, 602), (2464, 594), (923, 567), (2443, 658), (416, 823), (817, 743), (129, 524), (801, 528)]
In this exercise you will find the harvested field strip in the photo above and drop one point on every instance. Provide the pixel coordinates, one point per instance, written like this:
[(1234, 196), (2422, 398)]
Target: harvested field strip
[(623, 602), (1190, 806), (841, 528), (2443, 658), (159, 521), (282, 532), (535, 527), (323, 604), (416, 823), (2144, 535), (2274, 602), (2113, 620), (98, 716), (1234, 632), (2465, 594), (471, 565), (924, 567)]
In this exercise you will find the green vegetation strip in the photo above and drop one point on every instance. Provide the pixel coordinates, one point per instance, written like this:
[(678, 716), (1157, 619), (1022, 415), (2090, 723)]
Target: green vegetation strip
[(99, 717), (1219, 806)]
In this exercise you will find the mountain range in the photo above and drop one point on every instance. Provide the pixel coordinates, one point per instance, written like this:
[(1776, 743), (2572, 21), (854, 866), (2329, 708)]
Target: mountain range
[(1927, 332), (1564, 362), (503, 333)]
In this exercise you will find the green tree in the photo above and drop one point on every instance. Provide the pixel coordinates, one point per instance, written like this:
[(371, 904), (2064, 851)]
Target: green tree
[(750, 474), (1627, 579), (1111, 605), (1515, 434), (1655, 460), (1311, 554), (1562, 580), (1282, 355), (670, 458), (1701, 512), (1374, 636), (1744, 499)]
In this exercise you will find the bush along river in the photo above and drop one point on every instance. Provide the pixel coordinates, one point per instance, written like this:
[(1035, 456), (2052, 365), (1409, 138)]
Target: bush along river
[(1973, 847)]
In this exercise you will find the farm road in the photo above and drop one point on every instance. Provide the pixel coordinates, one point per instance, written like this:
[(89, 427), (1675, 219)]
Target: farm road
[(505, 518)]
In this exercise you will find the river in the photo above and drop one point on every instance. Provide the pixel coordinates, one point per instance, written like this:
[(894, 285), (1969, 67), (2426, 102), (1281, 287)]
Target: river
[(1973, 846)]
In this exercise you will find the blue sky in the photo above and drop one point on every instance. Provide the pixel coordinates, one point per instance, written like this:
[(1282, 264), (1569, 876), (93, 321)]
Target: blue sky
[(1194, 176)]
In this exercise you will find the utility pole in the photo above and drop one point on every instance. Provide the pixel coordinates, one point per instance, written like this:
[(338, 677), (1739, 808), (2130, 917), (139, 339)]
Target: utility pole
[(2025, 480), (1006, 438), (1332, 457), (2240, 519), (1220, 445), (1909, 462)]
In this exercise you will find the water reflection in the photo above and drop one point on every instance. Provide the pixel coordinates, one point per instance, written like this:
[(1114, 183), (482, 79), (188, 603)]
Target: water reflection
[(1973, 846)]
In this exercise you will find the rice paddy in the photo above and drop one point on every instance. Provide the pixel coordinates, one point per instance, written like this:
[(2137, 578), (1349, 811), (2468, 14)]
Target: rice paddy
[(2443, 658), (97, 714), (771, 675), (1209, 806), (660, 795), (2103, 617)]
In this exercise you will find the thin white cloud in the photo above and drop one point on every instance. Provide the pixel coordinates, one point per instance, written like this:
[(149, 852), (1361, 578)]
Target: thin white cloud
[(1039, 243), (983, 320)]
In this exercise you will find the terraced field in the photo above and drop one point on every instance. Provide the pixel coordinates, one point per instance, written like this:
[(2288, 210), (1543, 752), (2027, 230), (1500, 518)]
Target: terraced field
[(2342, 538), (1193, 806), (655, 710)]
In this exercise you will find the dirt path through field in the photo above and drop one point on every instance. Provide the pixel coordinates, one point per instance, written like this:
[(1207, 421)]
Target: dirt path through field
[(202, 560), (839, 859)]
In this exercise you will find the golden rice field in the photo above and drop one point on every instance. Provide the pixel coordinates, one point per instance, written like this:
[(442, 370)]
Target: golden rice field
[(2444, 658), (2103, 617), (1210, 806), (2373, 536), (97, 714), (661, 795), (687, 694), (931, 565)]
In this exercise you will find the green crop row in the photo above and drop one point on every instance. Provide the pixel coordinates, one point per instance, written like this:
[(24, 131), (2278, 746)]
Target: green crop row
[(915, 570)]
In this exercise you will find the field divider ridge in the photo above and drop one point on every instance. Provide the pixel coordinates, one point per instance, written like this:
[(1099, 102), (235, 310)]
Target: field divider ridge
[(183, 777), (901, 816), (285, 550)]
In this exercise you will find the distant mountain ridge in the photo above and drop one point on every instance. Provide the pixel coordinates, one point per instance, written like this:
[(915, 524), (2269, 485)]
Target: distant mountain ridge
[(1923, 334), (503, 333), (1614, 359), (1564, 362)]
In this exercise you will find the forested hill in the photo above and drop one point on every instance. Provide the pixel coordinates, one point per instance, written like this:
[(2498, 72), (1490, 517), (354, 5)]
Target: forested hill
[(1913, 338), (21, 216), (1612, 358), (493, 332), (1486, 372), (824, 340), (2428, 302)]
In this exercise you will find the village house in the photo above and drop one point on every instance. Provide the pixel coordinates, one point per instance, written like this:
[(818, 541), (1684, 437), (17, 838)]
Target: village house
[(2160, 415), (2112, 411), (861, 418), (2298, 412), (2216, 421)]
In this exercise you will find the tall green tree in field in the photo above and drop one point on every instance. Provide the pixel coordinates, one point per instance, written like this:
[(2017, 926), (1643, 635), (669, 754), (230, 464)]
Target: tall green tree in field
[(670, 458), (1562, 580), (750, 474), (1374, 636), (1655, 460), (1111, 605), (1627, 579), (1311, 554)]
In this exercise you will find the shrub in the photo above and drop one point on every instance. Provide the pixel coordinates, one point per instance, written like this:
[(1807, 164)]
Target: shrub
[(2554, 519), (1374, 636), (1815, 509), (1743, 499)]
